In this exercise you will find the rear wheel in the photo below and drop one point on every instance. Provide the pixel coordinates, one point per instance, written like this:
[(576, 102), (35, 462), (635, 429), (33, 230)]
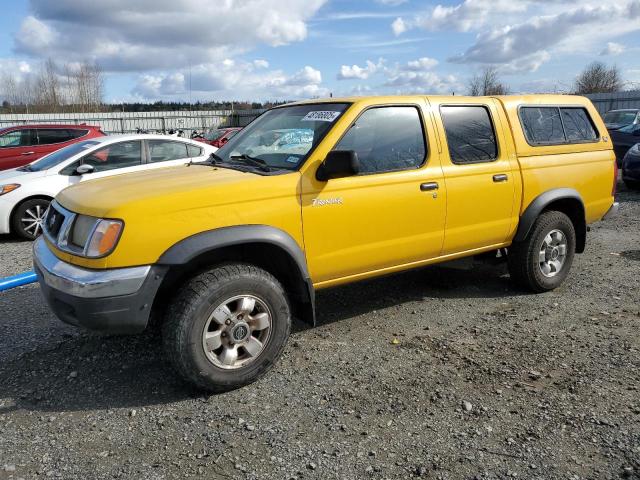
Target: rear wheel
[(542, 262), (227, 327), (28, 218), (632, 185)]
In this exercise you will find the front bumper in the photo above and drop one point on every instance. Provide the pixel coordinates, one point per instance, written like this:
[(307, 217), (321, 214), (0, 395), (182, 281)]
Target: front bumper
[(114, 300)]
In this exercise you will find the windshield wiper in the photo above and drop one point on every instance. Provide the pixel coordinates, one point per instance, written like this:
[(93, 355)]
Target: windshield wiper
[(254, 161), (212, 160)]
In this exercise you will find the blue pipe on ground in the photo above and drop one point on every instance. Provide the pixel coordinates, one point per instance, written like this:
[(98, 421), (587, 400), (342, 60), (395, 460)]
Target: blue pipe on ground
[(17, 280)]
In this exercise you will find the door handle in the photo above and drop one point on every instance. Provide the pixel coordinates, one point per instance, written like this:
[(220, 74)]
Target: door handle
[(428, 186), (27, 153), (501, 177)]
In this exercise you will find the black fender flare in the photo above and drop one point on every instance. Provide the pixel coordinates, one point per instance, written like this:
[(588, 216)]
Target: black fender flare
[(191, 247), (541, 202)]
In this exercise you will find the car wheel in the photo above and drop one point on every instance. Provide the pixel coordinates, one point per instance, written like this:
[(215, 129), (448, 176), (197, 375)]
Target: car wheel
[(542, 262), (632, 185), (227, 327), (28, 218)]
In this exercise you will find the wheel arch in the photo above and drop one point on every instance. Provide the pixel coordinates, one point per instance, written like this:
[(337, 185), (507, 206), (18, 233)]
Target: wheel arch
[(264, 246), (34, 196), (565, 200)]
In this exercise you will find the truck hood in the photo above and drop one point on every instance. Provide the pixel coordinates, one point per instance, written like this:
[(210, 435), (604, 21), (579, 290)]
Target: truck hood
[(165, 191)]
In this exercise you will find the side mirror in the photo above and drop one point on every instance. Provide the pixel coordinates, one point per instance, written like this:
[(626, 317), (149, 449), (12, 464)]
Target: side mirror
[(636, 132), (84, 169), (338, 164)]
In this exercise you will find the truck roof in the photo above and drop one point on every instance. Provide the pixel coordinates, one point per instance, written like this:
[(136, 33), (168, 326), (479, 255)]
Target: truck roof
[(536, 99)]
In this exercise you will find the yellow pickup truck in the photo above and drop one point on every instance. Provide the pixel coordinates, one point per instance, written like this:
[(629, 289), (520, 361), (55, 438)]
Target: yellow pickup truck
[(317, 194)]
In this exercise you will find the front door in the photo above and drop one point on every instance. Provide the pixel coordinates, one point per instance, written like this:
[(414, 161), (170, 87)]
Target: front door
[(478, 173), (392, 213)]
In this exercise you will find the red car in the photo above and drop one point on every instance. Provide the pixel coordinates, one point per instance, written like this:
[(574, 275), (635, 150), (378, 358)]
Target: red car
[(24, 144), (219, 136)]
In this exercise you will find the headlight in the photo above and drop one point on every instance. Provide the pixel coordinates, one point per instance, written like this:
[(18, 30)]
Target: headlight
[(81, 235), (10, 187), (92, 237), (104, 238)]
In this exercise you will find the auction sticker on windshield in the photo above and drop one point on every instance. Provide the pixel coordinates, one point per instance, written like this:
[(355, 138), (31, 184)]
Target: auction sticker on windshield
[(320, 116)]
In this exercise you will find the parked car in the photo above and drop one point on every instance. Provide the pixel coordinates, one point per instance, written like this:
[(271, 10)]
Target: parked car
[(631, 167), (23, 144), (219, 136), (229, 250), (623, 139), (25, 192), (615, 119)]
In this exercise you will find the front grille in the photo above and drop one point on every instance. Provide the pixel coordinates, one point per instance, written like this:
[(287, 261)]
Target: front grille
[(53, 221)]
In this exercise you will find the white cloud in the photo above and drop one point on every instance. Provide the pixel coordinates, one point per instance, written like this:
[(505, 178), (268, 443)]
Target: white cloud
[(354, 71), (417, 76), (424, 63), (399, 26), (391, 3), (613, 49), (143, 35), (236, 80), (515, 37)]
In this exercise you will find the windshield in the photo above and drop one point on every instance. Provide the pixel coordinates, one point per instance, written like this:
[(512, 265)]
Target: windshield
[(624, 118), (282, 138), (60, 156)]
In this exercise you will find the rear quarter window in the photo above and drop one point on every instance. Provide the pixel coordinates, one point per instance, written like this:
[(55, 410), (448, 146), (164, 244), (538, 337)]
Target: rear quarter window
[(556, 125)]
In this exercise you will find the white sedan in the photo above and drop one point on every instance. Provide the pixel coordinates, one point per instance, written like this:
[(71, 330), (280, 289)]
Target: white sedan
[(25, 192)]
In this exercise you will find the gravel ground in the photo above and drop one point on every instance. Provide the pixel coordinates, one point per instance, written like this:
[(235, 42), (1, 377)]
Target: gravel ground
[(437, 373)]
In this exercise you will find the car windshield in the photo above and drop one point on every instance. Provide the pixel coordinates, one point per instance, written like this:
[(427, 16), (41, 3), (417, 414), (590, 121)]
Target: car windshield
[(629, 128), (59, 156), (212, 135), (620, 117), (281, 138)]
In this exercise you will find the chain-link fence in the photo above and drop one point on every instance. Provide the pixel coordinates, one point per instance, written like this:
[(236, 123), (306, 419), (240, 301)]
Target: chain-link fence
[(132, 122)]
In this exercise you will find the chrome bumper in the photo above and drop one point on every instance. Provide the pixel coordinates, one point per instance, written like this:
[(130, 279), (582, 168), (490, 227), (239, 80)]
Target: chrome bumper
[(612, 212), (82, 282)]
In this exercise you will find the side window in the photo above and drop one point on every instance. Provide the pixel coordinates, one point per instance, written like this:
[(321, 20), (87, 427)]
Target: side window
[(193, 151), (70, 169), (577, 125), (470, 134), (117, 155), (542, 124), (163, 151), (49, 136), (74, 133), (386, 139), (17, 138)]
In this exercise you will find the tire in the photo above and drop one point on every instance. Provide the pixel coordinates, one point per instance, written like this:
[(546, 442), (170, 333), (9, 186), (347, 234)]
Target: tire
[(26, 211), (632, 185), (524, 258), (205, 323)]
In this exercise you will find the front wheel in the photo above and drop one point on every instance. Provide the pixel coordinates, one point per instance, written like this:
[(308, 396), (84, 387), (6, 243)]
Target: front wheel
[(227, 327), (542, 261), (28, 218)]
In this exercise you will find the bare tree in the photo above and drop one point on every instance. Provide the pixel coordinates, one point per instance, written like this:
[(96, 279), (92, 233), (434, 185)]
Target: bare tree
[(487, 83), (9, 87), (598, 78), (86, 85)]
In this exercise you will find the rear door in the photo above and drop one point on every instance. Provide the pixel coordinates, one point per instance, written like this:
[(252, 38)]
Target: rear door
[(50, 140), (478, 174)]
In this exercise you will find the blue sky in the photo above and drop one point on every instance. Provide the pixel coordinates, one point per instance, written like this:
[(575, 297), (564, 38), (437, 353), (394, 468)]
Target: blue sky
[(287, 49)]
